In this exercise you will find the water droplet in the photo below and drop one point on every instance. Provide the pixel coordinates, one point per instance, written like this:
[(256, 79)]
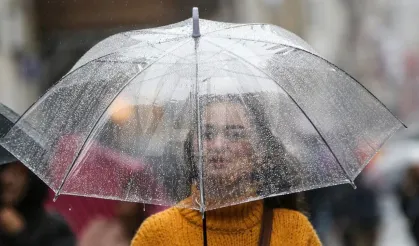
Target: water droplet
[(144, 207)]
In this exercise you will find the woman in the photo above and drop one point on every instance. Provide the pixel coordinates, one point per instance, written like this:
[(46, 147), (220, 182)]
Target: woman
[(23, 218), (240, 156), (408, 192)]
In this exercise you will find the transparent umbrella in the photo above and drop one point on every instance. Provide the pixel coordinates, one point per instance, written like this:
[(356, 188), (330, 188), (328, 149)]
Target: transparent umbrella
[(7, 118), (217, 112)]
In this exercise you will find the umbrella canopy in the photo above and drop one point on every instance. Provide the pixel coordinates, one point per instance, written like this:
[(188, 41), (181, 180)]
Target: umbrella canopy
[(7, 118), (97, 171), (229, 114)]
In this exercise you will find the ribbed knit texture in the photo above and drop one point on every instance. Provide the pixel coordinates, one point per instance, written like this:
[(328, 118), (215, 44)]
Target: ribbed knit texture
[(236, 225)]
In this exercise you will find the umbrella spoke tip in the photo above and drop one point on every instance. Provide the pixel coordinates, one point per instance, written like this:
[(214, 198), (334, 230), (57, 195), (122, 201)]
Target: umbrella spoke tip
[(195, 22), (56, 197), (353, 185)]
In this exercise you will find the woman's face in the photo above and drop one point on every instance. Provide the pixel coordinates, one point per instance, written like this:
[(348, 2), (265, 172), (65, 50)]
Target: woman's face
[(226, 143)]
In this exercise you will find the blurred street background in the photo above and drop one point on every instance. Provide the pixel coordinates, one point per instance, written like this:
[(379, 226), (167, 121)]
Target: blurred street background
[(376, 41)]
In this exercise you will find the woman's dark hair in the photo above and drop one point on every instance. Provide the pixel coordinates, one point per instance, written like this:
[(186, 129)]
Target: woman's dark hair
[(277, 163)]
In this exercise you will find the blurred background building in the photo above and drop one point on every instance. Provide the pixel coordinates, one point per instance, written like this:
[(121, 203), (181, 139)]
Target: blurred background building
[(376, 41)]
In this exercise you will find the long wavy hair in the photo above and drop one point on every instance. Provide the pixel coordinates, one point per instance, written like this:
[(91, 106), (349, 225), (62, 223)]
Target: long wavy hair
[(276, 162)]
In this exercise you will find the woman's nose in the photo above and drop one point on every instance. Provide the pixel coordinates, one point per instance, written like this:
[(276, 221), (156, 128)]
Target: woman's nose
[(218, 142)]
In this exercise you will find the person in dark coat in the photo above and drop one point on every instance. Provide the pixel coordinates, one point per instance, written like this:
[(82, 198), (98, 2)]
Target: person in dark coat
[(23, 218), (357, 213), (408, 193)]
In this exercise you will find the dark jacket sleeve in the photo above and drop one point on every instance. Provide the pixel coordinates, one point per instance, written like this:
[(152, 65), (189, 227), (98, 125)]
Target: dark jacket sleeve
[(51, 231), (63, 236)]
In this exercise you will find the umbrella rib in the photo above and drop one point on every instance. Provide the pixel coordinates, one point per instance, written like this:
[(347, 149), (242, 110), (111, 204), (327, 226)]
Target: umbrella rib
[(325, 60), (199, 131), (232, 27), (104, 111), (149, 31), (304, 113)]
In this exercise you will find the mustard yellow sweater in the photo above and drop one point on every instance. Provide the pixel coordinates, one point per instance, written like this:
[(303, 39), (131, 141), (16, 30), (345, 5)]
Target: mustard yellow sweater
[(236, 225)]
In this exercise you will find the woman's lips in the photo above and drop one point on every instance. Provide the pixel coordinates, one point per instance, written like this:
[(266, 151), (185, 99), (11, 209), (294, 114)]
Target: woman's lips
[(218, 162)]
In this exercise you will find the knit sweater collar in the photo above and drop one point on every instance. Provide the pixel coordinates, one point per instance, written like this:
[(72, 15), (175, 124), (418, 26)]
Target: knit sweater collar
[(234, 218)]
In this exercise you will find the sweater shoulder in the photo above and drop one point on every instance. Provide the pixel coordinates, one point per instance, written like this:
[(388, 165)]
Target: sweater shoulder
[(295, 226), (292, 219), (153, 230), (293, 215)]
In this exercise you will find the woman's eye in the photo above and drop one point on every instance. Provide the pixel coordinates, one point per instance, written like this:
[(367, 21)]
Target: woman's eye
[(208, 135)]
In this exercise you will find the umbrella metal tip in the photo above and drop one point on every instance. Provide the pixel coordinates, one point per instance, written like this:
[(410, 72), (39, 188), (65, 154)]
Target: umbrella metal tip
[(195, 23), (195, 12), (353, 185), (55, 197)]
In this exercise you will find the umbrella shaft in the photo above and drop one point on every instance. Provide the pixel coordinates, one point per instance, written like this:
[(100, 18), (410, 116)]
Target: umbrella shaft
[(199, 130), (204, 228)]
